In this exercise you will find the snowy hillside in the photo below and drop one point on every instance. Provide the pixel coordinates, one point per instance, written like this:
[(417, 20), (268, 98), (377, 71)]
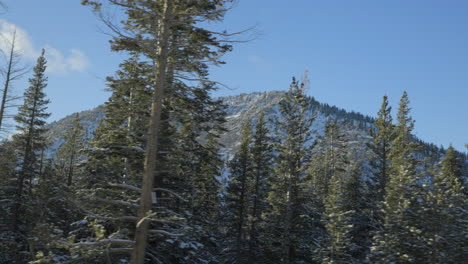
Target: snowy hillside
[(89, 120), (245, 107), (240, 108)]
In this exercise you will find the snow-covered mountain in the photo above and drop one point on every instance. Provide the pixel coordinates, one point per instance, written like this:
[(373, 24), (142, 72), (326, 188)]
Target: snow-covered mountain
[(240, 108), (244, 107), (89, 120)]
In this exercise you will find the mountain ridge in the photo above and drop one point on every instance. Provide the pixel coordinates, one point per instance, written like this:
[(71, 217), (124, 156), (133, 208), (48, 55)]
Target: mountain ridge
[(239, 109)]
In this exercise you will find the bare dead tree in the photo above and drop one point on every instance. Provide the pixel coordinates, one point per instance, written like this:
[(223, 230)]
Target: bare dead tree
[(12, 71)]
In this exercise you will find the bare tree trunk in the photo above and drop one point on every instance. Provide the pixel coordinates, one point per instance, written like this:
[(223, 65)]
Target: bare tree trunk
[(11, 72), (71, 165), (7, 79), (141, 233)]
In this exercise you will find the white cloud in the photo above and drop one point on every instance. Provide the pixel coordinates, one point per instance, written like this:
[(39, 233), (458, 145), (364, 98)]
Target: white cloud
[(23, 42), (57, 62), (78, 61)]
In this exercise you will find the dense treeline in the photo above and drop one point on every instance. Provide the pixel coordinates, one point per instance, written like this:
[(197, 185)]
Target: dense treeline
[(292, 195)]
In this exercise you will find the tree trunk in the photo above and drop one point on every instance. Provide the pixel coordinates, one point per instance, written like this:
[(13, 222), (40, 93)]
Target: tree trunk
[(241, 209), (7, 80), (253, 230), (71, 165), (141, 233), (288, 222)]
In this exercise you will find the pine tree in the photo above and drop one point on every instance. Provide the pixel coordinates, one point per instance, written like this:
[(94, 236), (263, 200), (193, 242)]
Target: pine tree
[(338, 221), (29, 143), (30, 137), (399, 240), (330, 158), (382, 138), (8, 161), (169, 34), (380, 145), (193, 172), (50, 213), (195, 162), (206, 186), (289, 227), (262, 168), (118, 143), (238, 192), (113, 159), (104, 187), (335, 172), (449, 211), (68, 153), (332, 185)]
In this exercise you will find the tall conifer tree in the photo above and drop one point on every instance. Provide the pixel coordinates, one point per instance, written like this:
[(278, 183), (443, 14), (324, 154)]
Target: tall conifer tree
[(382, 138), (330, 158), (8, 186), (116, 150), (262, 170), (69, 151), (399, 241), (168, 33), (238, 191), (30, 137), (289, 227), (29, 142), (450, 210), (341, 186)]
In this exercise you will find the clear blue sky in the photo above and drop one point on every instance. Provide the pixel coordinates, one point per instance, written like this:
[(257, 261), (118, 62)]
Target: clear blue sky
[(355, 51)]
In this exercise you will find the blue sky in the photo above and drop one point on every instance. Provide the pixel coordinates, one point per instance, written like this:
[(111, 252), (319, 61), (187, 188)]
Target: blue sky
[(355, 52)]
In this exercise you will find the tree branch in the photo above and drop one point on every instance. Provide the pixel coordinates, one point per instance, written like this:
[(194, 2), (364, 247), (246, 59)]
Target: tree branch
[(158, 231), (171, 192), (125, 186)]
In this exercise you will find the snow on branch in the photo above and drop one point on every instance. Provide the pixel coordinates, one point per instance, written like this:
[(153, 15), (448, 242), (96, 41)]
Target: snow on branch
[(111, 241), (116, 202), (117, 218), (125, 186), (158, 231)]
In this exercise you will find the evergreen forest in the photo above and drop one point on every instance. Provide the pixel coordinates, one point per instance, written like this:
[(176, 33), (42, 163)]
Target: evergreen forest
[(166, 175)]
